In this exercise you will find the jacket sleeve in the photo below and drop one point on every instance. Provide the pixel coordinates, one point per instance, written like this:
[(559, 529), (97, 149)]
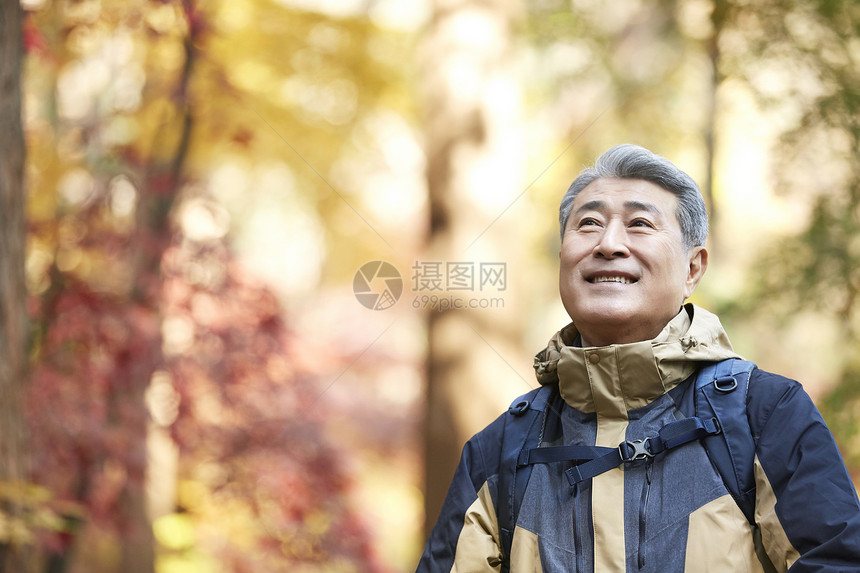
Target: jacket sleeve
[(466, 535), (806, 503)]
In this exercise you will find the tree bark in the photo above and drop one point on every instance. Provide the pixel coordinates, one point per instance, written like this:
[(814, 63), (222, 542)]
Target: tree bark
[(13, 293)]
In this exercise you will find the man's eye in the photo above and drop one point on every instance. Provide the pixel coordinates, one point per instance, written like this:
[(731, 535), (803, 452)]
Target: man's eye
[(641, 223), (587, 221)]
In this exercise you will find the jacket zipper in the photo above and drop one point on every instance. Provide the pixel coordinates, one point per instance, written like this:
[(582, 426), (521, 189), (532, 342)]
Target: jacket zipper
[(577, 537), (643, 503)]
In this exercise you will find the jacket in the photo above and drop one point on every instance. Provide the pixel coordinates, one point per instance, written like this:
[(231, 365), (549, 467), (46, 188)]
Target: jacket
[(669, 514)]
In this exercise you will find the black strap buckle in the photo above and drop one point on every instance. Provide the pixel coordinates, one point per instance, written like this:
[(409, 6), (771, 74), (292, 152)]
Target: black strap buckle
[(639, 447)]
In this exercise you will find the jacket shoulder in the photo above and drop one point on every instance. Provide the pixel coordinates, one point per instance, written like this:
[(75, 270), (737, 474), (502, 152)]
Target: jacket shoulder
[(514, 421), (767, 391), (498, 444)]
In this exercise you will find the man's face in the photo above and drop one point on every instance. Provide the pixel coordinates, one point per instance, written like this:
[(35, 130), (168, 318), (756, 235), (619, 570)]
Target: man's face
[(624, 269)]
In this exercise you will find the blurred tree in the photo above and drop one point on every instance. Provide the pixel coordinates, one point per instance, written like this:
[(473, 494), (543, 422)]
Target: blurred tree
[(475, 174), (800, 59), (13, 314), (158, 360), (145, 324), (249, 429), (98, 313)]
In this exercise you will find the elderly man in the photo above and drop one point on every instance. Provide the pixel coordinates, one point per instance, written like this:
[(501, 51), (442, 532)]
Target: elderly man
[(650, 446)]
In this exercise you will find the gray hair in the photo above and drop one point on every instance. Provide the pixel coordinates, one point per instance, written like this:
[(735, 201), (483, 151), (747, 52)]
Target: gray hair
[(629, 161)]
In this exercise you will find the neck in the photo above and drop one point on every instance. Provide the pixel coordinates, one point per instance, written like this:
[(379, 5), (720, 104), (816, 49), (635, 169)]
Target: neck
[(622, 334), (597, 341)]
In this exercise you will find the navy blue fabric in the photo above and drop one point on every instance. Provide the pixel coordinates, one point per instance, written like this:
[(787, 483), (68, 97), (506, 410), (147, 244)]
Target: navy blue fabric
[(721, 391), (523, 431), (817, 503), (479, 463), (550, 454), (559, 514)]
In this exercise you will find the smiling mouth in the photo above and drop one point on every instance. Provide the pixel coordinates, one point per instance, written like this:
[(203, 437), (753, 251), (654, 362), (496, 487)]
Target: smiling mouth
[(620, 280)]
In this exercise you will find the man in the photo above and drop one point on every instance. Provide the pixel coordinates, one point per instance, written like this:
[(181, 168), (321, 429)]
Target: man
[(619, 377)]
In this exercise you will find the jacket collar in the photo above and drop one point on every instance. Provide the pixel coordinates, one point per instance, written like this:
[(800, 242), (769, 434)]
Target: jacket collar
[(614, 379)]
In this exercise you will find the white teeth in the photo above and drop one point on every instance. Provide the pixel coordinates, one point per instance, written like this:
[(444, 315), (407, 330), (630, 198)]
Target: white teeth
[(621, 280)]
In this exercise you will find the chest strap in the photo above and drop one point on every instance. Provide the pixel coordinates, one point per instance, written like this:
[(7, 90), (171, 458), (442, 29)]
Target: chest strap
[(592, 461)]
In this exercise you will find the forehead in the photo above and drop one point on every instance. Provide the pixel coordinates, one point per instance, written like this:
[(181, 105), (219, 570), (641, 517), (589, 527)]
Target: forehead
[(624, 195)]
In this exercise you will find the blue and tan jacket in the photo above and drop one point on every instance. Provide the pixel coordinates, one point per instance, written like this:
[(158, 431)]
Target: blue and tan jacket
[(674, 515)]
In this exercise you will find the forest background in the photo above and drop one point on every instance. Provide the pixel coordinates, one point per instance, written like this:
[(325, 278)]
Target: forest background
[(233, 234)]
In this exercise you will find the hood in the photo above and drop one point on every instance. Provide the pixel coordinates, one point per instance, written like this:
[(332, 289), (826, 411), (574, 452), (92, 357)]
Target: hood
[(620, 377)]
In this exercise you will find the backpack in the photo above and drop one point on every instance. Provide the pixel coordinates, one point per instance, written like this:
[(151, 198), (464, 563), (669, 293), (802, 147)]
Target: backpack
[(719, 420)]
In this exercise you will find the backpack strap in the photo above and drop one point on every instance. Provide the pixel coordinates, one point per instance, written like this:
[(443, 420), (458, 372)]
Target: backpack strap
[(524, 429), (721, 392), (670, 436)]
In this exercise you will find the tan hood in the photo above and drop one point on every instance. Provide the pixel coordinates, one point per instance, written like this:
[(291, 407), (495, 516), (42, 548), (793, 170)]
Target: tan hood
[(620, 377)]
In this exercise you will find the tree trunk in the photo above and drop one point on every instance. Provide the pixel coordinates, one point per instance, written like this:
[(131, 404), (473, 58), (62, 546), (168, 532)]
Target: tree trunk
[(13, 317), (712, 47), (163, 180), (474, 175)]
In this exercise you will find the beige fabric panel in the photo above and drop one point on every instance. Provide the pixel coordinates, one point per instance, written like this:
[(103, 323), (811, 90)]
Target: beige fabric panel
[(642, 371), (780, 550), (607, 489), (525, 552), (719, 539), (479, 539), (607, 500)]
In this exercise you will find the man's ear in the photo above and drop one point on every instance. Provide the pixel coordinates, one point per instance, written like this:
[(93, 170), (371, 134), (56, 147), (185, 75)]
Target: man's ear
[(698, 264)]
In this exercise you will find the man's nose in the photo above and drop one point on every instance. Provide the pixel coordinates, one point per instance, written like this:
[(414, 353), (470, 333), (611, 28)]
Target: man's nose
[(613, 242)]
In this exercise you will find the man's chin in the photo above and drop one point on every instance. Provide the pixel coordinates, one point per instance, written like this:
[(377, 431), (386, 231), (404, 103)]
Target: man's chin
[(612, 325), (608, 314)]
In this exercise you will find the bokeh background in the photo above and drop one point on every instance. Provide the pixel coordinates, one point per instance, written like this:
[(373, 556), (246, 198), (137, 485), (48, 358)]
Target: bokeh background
[(198, 388)]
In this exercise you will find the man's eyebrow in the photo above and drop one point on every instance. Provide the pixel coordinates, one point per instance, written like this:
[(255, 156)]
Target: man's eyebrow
[(593, 205), (642, 206), (597, 205)]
